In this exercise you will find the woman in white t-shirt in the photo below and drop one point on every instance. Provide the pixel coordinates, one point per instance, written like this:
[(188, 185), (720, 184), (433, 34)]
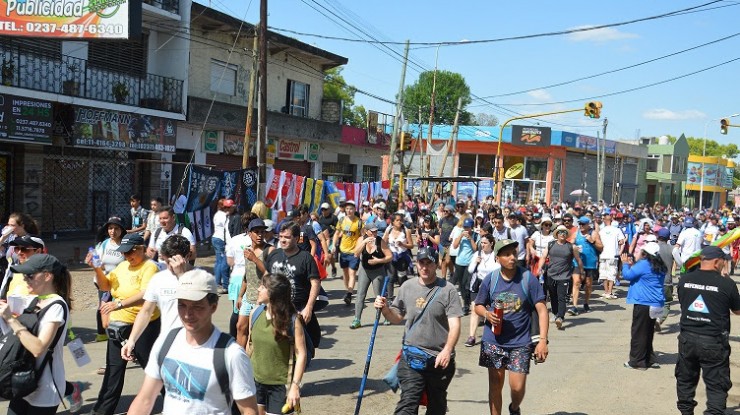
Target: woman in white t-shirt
[(398, 238), (218, 240), (538, 242), (107, 251), (50, 281)]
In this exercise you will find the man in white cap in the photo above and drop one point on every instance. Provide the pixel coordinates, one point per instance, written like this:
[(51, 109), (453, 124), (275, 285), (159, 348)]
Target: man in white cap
[(201, 369)]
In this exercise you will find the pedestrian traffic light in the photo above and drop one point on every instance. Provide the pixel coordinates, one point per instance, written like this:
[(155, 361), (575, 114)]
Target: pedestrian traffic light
[(592, 109), (724, 123)]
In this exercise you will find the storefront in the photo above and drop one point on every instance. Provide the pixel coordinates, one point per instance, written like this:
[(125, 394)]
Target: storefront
[(708, 181)]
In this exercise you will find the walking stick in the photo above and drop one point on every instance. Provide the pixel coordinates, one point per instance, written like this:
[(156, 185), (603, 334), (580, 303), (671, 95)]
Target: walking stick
[(370, 350)]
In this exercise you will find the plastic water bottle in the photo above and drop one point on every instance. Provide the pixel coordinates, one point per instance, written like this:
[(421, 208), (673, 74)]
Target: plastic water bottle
[(96, 261)]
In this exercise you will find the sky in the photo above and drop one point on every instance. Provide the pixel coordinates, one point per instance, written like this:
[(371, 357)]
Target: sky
[(689, 105)]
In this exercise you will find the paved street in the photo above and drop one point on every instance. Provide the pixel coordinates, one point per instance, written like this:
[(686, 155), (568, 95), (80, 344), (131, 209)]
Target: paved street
[(583, 375)]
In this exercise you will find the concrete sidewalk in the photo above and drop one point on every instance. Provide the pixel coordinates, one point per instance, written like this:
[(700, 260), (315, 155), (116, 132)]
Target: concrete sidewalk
[(583, 374)]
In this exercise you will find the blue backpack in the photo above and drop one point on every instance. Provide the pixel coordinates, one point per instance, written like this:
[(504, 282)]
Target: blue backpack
[(310, 349)]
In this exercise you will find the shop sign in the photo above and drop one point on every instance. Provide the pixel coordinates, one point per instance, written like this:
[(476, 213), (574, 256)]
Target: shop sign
[(585, 142), (313, 152), (210, 141), (25, 119), (530, 136), (271, 151), (118, 130), (514, 171), (81, 19), (292, 150)]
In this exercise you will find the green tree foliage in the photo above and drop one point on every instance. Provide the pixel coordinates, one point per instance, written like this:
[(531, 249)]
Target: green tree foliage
[(449, 87), (336, 88)]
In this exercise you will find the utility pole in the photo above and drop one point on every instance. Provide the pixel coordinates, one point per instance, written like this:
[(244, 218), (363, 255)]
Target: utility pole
[(602, 164), (396, 122), (453, 138), (262, 114), (421, 149), (250, 104)]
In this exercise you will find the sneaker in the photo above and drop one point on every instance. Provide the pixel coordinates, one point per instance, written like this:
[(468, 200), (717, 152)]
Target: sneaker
[(75, 398), (356, 324), (518, 411), (386, 322), (348, 298), (222, 290), (586, 308), (628, 366), (573, 311), (654, 365), (101, 338), (470, 342), (559, 323)]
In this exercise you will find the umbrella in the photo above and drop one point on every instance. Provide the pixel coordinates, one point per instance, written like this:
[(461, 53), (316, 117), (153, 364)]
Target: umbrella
[(580, 192)]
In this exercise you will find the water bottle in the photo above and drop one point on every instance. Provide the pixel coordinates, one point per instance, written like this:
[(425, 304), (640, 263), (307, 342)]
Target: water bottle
[(96, 261)]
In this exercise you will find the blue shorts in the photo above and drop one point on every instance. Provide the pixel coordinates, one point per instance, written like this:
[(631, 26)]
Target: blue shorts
[(246, 308), (514, 359), (349, 261)]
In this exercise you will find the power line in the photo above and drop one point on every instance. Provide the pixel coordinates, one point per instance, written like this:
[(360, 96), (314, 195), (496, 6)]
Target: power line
[(693, 9), (583, 78)]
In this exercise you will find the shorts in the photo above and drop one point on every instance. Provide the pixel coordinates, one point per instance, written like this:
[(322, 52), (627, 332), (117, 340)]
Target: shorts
[(514, 359), (271, 397), (246, 308), (442, 251), (349, 261), (589, 273), (608, 269)]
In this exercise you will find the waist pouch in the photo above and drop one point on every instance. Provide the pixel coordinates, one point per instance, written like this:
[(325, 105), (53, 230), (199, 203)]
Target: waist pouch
[(417, 358), (119, 331)]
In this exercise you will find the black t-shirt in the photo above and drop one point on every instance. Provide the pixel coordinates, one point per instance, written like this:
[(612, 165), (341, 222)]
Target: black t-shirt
[(446, 225), (328, 223), (300, 270), (706, 301), (306, 236)]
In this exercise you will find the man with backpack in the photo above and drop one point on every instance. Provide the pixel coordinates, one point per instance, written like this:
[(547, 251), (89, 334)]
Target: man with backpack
[(168, 228), (201, 369)]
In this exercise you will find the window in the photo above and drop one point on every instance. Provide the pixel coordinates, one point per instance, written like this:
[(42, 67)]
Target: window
[(666, 167), (223, 78), (369, 174), (652, 163), (338, 172), (127, 57), (556, 176), (466, 166), (296, 102), (679, 165), (536, 168)]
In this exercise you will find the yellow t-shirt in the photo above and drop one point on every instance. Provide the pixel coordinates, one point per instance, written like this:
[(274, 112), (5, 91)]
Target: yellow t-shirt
[(350, 229), (18, 286), (126, 281)]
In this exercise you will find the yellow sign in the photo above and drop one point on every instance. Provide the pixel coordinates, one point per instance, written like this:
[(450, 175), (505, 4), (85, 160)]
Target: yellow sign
[(514, 170)]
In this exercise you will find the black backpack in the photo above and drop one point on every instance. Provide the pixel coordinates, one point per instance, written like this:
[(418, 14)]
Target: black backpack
[(18, 373)]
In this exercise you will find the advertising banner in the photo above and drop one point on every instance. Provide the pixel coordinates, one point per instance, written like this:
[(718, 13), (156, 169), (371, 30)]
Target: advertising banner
[(587, 143), (709, 172), (522, 135), (727, 182), (291, 150), (84, 19), (25, 119), (109, 129), (465, 189)]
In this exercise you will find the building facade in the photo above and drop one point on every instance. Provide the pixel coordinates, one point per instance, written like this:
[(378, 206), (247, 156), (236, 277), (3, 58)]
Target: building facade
[(665, 170), (708, 181)]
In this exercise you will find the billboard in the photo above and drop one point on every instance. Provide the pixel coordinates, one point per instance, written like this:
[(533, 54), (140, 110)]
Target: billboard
[(709, 172), (110, 129), (587, 143), (84, 19), (25, 119), (530, 136)]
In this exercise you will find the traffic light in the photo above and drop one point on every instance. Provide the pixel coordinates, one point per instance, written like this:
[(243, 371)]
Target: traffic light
[(592, 109), (724, 123), (406, 141)]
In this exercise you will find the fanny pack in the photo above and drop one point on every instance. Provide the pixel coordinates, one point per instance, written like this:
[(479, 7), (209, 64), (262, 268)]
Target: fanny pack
[(417, 358), (119, 331)]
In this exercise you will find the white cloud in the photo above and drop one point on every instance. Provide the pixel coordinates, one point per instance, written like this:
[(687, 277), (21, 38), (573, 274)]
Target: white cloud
[(605, 34), (540, 95), (666, 114)]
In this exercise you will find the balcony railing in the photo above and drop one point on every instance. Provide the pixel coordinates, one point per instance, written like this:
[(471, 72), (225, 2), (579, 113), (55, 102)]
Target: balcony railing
[(76, 77)]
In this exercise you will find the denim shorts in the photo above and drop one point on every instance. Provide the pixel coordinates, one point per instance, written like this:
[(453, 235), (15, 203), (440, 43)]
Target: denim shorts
[(515, 359), (271, 397), (349, 261)]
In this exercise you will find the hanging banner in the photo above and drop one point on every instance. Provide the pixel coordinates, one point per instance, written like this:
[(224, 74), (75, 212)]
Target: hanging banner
[(530, 136), (245, 192), (272, 191), (110, 129), (204, 187)]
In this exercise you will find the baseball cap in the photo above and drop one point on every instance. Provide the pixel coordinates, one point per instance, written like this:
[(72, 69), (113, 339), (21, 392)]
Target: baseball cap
[(503, 243), (651, 238), (584, 220), (468, 223), (28, 241), (269, 225), (342, 201), (428, 218), (38, 263), (115, 220), (371, 226), (708, 252), (426, 253), (651, 248), (350, 202), (228, 203), (546, 219), (664, 233), (129, 242), (381, 205), (325, 206), (451, 208), (479, 215), (194, 285), (561, 228), (256, 223), (366, 203), (688, 222)]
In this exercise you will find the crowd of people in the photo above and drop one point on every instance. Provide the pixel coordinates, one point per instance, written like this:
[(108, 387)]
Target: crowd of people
[(446, 258)]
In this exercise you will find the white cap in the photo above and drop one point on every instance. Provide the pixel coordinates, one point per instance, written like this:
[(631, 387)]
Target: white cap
[(270, 225), (546, 219), (194, 285), (366, 203), (381, 205), (325, 206), (651, 248), (651, 238)]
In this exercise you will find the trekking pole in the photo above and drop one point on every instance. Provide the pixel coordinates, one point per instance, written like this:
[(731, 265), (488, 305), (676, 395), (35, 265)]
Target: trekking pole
[(370, 350)]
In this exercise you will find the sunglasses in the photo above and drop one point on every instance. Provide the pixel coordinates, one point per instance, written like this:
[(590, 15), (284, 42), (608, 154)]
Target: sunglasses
[(547, 225), (26, 248)]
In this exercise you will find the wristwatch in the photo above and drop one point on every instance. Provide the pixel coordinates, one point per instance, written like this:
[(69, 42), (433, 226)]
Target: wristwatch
[(119, 303)]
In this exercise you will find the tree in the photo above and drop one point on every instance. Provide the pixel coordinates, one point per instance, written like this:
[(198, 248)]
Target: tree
[(488, 120), (449, 87), (336, 88)]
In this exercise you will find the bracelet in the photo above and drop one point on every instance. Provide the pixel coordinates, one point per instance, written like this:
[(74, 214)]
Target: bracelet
[(299, 384)]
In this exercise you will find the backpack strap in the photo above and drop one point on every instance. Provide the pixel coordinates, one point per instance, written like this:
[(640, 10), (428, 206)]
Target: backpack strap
[(48, 358), (166, 345), (508, 233), (156, 234), (219, 366)]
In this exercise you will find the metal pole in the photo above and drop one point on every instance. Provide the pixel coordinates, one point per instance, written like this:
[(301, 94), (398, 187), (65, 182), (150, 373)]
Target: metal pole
[(262, 115), (250, 104)]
